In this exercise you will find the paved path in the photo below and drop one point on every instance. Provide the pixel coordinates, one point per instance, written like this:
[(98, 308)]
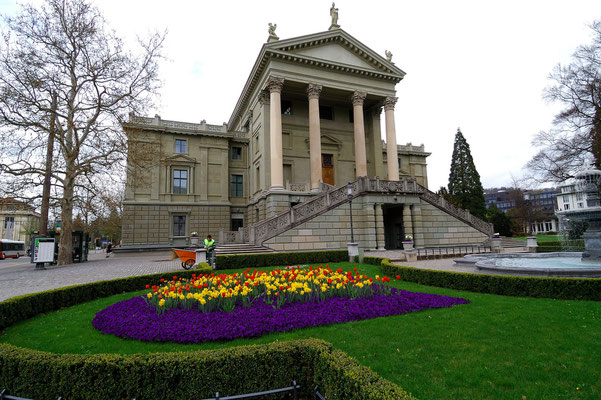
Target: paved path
[(19, 277), (441, 264)]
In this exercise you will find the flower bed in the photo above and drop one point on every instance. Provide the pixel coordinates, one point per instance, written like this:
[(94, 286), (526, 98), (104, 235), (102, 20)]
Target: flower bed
[(183, 319)]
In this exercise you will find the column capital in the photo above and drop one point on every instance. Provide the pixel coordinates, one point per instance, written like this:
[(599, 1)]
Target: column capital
[(358, 98), (275, 84), (263, 97), (389, 103), (314, 90)]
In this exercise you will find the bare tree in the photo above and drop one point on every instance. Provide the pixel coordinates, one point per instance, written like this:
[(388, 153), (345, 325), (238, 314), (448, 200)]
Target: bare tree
[(65, 48), (575, 138)]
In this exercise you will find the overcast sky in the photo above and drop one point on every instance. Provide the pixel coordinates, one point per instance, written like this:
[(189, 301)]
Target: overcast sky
[(477, 65)]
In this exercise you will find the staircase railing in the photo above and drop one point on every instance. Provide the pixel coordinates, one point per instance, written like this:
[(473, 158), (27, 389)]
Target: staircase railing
[(332, 197)]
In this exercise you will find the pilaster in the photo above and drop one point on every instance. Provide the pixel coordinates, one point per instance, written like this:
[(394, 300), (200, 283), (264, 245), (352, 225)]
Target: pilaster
[(380, 234), (418, 227)]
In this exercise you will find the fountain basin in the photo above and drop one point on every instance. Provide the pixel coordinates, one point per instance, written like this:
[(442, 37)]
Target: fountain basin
[(558, 265)]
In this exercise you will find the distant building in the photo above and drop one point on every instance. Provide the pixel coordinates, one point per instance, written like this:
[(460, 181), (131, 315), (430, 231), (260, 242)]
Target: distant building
[(17, 219), (578, 197), (541, 203)]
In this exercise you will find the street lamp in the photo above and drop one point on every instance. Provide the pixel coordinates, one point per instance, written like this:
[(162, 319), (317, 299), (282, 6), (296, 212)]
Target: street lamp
[(527, 198), (349, 193), (353, 248)]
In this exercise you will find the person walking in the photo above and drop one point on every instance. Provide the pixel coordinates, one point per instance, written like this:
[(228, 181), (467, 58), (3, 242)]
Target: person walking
[(109, 249)]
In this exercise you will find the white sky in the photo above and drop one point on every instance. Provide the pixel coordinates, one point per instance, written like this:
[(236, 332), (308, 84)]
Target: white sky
[(478, 65)]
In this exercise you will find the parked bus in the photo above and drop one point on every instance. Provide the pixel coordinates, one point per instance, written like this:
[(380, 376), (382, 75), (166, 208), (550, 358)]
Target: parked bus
[(11, 249)]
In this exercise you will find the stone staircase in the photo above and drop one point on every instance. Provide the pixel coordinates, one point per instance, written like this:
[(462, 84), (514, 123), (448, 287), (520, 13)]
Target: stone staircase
[(509, 243), (241, 248), (332, 197)]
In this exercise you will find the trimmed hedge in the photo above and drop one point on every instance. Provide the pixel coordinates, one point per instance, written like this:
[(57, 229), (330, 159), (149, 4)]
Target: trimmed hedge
[(24, 307), (341, 377), (198, 374), (279, 259), (568, 245), (525, 286)]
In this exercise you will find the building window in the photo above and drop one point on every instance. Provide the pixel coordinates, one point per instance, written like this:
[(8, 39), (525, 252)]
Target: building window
[(236, 153), (579, 196), (580, 205), (286, 107), (399, 159), (549, 226), (351, 116), (326, 112), (237, 221), (236, 186), (566, 199), (179, 225), (180, 181), (566, 206), (181, 146)]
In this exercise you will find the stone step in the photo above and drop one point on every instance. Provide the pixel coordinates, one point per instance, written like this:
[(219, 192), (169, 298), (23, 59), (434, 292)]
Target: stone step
[(241, 248)]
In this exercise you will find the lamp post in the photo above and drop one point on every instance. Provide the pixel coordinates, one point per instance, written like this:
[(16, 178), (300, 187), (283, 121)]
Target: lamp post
[(531, 241), (353, 248), (349, 193)]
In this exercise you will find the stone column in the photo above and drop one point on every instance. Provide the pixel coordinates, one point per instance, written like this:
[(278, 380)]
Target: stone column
[(380, 235), (391, 149), (407, 223), (313, 91), (275, 86), (360, 155), (418, 226)]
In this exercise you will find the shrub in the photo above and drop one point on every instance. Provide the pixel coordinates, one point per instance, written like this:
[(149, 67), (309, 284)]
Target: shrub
[(198, 374), (23, 307), (341, 377), (555, 288), (567, 245), (279, 259)]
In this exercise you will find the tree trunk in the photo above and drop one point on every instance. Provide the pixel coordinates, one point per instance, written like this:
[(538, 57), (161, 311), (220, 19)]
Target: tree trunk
[(65, 247), (48, 174)]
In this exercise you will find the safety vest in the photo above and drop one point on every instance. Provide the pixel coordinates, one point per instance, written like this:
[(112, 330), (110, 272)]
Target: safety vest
[(209, 243)]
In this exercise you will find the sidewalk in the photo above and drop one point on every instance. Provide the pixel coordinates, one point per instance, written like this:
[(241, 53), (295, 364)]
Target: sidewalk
[(26, 279), (441, 264)]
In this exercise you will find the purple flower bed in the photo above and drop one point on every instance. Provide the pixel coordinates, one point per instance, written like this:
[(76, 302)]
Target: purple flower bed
[(135, 319)]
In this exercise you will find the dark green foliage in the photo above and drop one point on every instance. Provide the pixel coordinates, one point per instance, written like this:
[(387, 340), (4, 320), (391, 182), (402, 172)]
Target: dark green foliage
[(464, 181), (26, 306), (177, 375), (567, 245), (341, 377), (181, 375), (501, 222), (554, 288), (283, 259), (576, 229)]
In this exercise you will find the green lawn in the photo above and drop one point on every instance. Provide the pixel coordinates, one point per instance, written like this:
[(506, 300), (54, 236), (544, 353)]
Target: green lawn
[(496, 347), (541, 238)]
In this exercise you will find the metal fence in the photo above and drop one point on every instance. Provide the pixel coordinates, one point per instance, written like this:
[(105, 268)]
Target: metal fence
[(442, 252), (5, 396), (317, 395), (294, 389)]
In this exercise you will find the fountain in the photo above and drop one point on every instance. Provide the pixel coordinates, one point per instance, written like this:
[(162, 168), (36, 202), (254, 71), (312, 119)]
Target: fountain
[(561, 264)]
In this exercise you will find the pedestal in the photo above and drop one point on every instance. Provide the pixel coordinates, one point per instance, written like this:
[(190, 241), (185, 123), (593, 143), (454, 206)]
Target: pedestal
[(407, 245), (495, 245), (353, 250), (201, 255), (531, 244), (194, 241)]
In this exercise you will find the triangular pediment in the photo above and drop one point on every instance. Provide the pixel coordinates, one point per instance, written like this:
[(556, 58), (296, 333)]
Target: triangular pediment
[(327, 139), (336, 47), (180, 158)]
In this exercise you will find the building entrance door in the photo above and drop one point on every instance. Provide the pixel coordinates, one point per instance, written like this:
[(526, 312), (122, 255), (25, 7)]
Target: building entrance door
[(327, 169), (393, 226)]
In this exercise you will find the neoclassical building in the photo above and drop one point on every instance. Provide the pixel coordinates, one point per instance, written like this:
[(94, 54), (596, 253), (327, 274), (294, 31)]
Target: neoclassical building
[(306, 123)]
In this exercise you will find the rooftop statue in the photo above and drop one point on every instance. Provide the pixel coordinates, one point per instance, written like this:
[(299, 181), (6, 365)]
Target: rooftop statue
[(271, 31), (334, 15), (388, 55)]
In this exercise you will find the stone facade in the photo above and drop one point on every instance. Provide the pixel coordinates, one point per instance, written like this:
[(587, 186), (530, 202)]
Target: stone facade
[(17, 220), (307, 122)]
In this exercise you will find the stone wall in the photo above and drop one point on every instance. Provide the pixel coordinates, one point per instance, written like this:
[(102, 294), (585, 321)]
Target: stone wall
[(441, 229), (152, 224), (330, 230)]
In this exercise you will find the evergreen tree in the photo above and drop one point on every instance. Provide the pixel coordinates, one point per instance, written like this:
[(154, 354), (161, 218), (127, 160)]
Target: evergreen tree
[(501, 221), (464, 180)]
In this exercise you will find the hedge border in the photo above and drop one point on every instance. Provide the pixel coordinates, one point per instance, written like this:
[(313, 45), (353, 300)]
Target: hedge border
[(175, 375), (234, 261), (522, 286)]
